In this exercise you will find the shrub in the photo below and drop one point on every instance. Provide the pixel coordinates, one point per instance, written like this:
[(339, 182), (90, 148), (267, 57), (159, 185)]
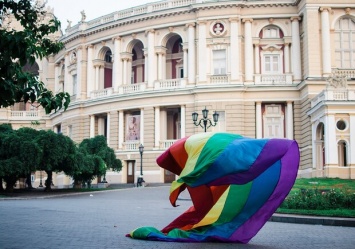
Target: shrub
[(318, 199)]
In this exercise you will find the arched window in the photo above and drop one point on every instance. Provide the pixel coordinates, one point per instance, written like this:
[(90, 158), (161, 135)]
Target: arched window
[(271, 32), (345, 43), (108, 69)]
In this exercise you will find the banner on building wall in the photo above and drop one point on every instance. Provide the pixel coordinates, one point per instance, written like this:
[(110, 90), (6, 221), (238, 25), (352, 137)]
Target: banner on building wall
[(133, 127)]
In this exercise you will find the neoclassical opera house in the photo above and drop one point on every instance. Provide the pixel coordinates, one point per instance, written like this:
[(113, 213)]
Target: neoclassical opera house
[(283, 69)]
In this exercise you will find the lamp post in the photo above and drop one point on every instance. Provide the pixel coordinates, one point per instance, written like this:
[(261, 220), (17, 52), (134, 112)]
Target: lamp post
[(140, 178), (205, 122)]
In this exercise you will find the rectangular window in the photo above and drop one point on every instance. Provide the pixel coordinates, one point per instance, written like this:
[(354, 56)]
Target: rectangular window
[(271, 64), (219, 62)]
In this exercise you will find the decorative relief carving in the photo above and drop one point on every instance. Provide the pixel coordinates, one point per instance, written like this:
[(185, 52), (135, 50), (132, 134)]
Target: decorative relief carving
[(218, 28), (337, 81)]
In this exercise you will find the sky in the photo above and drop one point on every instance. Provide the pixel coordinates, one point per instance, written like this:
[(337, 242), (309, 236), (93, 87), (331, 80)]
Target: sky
[(70, 9)]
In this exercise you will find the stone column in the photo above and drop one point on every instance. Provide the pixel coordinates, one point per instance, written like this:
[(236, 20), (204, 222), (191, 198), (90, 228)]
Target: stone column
[(102, 77), (352, 143), (157, 127), (326, 50), (289, 120), (67, 86), (287, 57), (161, 62), (97, 77), (145, 65), (185, 62), (89, 72), (258, 120), (183, 121), (330, 144), (191, 54), (142, 126), (248, 50), (152, 62), (120, 129), (79, 73), (234, 45), (56, 77), (92, 126), (257, 57), (117, 64), (108, 128), (202, 51), (296, 49), (125, 71)]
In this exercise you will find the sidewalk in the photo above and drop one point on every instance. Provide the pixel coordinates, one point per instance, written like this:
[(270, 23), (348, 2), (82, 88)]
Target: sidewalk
[(184, 196)]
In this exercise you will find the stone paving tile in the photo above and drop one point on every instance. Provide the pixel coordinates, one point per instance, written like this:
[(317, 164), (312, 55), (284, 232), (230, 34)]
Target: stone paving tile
[(103, 219)]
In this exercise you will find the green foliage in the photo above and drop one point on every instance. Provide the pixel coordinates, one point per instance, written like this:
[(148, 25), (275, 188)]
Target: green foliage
[(93, 158), (5, 128), (22, 46), (317, 199), (98, 146), (18, 157)]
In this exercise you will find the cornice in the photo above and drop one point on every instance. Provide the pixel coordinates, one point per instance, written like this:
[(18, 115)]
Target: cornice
[(188, 9)]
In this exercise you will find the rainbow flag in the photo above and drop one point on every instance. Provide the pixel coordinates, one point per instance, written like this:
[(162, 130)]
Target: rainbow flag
[(235, 183)]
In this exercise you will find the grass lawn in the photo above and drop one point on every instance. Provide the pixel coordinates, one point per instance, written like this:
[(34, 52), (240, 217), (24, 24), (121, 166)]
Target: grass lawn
[(322, 184)]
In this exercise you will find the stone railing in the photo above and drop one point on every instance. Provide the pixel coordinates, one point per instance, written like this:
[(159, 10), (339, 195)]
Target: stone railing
[(135, 11), (349, 73), (132, 88), (219, 79), (25, 114), (169, 84), (333, 95), (165, 144), (131, 145), (273, 79), (101, 93)]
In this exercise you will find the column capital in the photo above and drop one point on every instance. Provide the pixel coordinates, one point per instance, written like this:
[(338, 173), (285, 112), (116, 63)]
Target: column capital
[(160, 50), (90, 46), (149, 31), (202, 22), (247, 20), (191, 24), (322, 9), (234, 19), (295, 19), (117, 38)]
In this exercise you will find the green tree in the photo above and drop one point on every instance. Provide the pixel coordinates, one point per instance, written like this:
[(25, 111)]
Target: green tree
[(18, 157), (58, 154), (96, 157), (20, 47), (4, 128)]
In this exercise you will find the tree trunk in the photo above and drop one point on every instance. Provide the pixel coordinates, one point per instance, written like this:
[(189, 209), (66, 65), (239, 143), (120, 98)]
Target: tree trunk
[(29, 182), (10, 183), (77, 184), (1, 186), (48, 182)]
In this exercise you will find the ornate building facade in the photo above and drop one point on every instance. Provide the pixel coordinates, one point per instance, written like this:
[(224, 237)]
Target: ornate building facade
[(283, 69)]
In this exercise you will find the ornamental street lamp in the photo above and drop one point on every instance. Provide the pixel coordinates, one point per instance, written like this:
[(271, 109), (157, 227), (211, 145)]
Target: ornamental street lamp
[(207, 123), (140, 178)]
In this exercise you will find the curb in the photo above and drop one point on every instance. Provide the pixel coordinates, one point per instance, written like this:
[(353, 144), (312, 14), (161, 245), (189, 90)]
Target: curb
[(313, 220)]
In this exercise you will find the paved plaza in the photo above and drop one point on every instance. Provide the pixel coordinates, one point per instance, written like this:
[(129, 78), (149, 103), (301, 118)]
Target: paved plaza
[(101, 220)]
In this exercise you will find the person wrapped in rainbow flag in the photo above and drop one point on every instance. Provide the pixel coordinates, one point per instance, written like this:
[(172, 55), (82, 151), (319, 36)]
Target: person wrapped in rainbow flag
[(235, 183)]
